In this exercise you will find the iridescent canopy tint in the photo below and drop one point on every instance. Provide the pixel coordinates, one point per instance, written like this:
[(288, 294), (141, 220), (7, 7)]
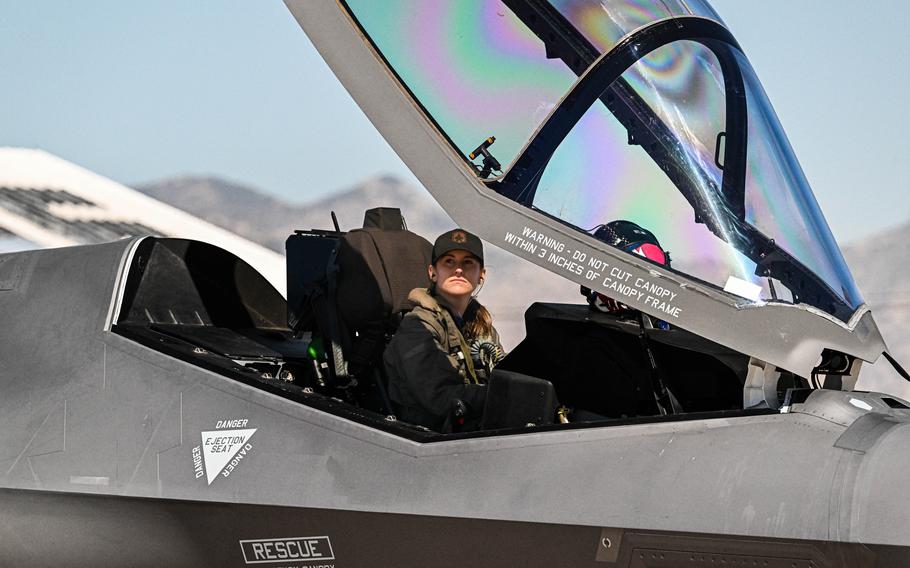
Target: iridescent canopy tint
[(604, 23), (683, 142), (475, 68)]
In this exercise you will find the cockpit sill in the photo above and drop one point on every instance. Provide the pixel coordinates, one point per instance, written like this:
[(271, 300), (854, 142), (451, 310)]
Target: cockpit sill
[(334, 406), (841, 407)]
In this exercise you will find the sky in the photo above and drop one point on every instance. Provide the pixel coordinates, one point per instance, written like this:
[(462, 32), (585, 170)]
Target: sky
[(139, 91)]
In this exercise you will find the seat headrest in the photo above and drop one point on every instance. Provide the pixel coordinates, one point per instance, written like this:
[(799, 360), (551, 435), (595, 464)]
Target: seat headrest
[(376, 270), (385, 218)]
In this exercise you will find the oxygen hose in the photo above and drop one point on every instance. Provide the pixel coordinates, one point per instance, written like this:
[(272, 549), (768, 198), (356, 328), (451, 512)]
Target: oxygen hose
[(487, 352)]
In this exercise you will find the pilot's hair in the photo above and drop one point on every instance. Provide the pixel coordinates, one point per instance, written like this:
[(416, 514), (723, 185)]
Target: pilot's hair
[(478, 323)]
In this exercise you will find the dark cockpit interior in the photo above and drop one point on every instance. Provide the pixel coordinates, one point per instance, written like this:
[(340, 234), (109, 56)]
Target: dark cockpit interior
[(576, 367)]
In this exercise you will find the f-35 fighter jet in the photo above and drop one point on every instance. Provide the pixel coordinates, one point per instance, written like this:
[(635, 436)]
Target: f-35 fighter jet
[(163, 405)]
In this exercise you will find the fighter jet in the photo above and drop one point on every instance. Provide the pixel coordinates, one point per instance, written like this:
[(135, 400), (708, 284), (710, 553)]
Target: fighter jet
[(163, 405)]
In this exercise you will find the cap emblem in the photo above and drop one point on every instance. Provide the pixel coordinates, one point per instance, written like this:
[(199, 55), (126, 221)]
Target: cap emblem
[(459, 237)]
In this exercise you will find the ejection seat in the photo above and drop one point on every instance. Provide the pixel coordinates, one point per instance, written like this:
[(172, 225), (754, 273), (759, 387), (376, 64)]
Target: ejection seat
[(349, 291)]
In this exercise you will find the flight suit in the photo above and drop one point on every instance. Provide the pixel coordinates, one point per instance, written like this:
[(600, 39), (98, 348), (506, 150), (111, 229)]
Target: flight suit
[(428, 364)]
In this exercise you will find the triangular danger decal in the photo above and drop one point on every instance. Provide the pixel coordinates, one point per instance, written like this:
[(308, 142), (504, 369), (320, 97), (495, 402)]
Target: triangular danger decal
[(219, 447)]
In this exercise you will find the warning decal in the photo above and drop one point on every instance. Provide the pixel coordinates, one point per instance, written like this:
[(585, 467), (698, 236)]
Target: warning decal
[(222, 450), (599, 274)]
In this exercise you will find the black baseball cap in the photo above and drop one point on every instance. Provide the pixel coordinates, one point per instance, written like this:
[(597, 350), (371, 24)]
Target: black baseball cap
[(457, 239)]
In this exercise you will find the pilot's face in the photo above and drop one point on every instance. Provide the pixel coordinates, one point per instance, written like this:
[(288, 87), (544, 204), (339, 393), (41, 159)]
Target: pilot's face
[(457, 273)]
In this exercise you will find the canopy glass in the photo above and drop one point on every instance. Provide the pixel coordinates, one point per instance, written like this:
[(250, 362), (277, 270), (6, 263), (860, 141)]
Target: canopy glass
[(678, 137), (604, 22), (474, 66)]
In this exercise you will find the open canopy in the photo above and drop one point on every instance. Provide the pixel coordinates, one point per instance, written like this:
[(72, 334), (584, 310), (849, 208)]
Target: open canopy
[(534, 122), (607, 110)]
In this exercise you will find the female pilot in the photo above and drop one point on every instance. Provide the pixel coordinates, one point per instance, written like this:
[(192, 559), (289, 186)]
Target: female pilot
[(429, 362)]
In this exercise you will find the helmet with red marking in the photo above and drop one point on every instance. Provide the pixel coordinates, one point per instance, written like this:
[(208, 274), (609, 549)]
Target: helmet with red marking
[(630, 237)]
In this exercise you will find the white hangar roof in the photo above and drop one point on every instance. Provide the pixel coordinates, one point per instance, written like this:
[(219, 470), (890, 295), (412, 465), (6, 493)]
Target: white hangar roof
[(46, 201)]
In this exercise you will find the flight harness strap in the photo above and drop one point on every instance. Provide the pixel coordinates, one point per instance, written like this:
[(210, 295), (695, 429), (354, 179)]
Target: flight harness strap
[(666, 402), (469, 362), (460, 351), (369, 343), (339, 364), (367, 349)]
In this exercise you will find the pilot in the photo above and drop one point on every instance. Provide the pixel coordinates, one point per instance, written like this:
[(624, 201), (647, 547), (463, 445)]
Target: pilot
[(434, 381)]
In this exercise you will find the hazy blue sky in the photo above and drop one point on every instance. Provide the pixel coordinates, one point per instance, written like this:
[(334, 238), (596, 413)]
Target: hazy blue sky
[(144, 90)]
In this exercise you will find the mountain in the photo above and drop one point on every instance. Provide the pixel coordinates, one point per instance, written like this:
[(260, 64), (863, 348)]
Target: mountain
[(268, 221), (881, 265), (879, 262)]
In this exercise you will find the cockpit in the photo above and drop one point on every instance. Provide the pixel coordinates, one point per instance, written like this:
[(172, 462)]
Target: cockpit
[(533, 123), (576, 367)]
